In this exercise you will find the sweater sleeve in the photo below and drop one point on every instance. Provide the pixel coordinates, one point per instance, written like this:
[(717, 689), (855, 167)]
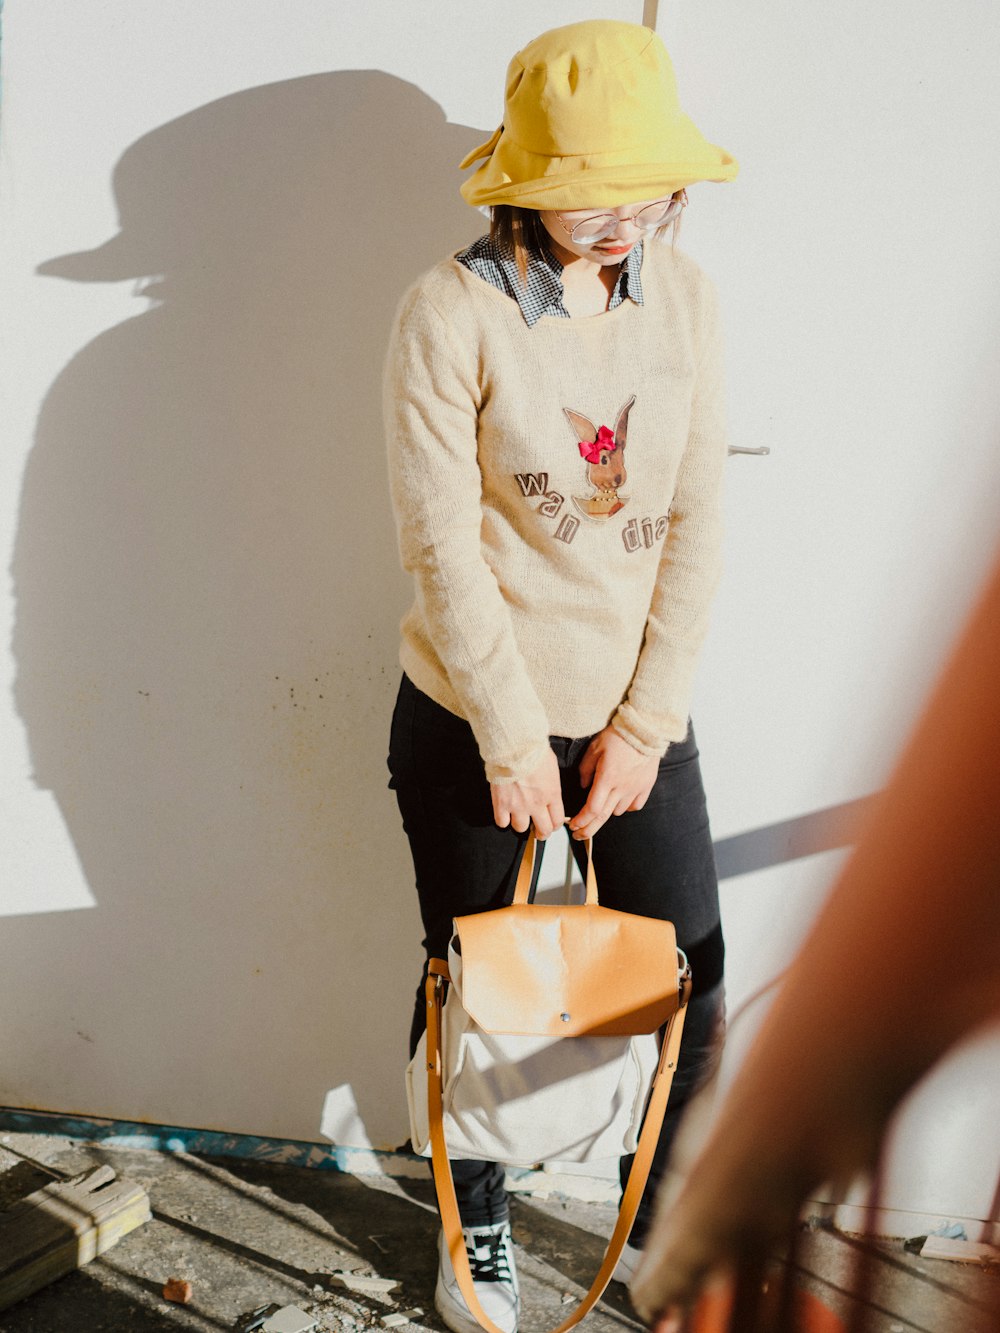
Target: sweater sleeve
[(655, 710), (431, 402)]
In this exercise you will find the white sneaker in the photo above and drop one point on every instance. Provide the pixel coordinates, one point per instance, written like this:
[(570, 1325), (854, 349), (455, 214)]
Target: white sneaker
[(627, 1264), (494, 1277)]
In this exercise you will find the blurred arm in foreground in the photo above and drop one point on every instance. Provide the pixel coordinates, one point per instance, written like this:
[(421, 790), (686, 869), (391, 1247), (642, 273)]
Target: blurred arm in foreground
[(903, 961)]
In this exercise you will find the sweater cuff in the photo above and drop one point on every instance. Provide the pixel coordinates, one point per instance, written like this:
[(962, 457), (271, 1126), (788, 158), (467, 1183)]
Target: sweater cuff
[(642, 737), (505, 775)]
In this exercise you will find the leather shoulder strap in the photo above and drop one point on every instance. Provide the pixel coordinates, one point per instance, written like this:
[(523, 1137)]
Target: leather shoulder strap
[(526, 869), (450, 1218)]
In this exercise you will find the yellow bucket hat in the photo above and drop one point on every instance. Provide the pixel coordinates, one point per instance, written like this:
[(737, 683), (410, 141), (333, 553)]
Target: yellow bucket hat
[(592, 117)]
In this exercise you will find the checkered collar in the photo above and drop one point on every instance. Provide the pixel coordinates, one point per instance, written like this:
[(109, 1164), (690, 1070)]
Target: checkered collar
[(542, 294)]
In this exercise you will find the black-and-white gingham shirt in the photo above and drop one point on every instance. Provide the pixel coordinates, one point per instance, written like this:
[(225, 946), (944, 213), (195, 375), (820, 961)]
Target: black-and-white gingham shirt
[(543, 292)]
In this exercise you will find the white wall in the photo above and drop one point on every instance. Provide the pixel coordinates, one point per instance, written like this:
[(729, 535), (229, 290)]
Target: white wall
[(209, 213)]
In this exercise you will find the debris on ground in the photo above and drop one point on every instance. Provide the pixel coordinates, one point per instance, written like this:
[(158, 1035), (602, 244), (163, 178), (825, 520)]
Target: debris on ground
[(289, 1319), (403, 1317), (63, 1226), (179, 1291), (959, 1251), (249, 1323), (344, 1277), (949, 1230), (254, 1250), (954, 1231)]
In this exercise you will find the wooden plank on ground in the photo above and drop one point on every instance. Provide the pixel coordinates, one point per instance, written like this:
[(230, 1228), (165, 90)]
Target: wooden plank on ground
[(63, 1226)]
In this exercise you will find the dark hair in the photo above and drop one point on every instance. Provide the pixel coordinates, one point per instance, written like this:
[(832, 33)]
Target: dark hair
[(519, 231)]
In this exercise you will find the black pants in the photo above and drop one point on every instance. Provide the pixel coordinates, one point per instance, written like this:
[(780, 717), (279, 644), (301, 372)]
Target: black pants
[(656, 862)]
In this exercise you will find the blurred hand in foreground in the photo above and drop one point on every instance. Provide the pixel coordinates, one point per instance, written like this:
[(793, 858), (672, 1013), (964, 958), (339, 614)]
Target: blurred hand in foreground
[(902, 962)]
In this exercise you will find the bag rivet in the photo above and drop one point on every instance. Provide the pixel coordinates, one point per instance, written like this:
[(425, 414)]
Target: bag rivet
[(564, 1017)]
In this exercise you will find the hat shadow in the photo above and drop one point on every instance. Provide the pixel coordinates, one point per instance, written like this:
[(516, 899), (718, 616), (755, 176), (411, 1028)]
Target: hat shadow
[(208, 597)]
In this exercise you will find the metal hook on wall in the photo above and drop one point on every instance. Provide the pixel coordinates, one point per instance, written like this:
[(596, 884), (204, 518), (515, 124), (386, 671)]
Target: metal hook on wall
[(759, 453)]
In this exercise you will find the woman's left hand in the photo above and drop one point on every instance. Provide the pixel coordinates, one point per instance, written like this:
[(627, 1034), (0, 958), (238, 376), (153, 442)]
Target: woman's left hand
[(619, 778)]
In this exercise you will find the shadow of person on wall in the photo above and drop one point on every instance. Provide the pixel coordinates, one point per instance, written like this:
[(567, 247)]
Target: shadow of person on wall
[(208, 598)]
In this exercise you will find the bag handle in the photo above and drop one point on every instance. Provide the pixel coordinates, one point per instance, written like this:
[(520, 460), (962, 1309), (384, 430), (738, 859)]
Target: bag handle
[(527, 870), (451, 1221)]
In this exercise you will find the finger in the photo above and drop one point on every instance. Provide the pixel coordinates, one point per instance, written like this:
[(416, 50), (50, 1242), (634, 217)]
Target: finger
[(592, 828), (587, 766), (542, 821), (553, 812), (501, 814), (669, 1322), (635, 802), (600, 802), (588, 821), (519, 821), (582, 817), (591, 818), (678, 1270)]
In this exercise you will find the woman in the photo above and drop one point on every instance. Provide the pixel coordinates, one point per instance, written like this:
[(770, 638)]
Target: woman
[(556, 442)]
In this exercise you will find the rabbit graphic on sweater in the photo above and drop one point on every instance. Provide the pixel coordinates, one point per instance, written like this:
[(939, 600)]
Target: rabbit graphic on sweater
[(604, 452)]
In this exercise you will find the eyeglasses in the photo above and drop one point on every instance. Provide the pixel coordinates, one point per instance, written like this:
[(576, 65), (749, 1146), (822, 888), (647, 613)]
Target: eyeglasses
[(595, 228)]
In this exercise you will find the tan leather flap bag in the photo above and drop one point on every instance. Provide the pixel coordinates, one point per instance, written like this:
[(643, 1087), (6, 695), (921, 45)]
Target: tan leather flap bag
[(577, 970), (566, 971)]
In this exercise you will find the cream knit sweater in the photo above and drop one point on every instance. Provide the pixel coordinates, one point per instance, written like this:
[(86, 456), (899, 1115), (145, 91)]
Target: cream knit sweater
[(557, 495)]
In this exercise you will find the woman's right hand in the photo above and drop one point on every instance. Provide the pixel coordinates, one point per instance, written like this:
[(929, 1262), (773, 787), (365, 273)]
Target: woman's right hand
[(537, 800)]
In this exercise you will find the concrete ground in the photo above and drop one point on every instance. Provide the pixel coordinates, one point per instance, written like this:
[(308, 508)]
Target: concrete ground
[(246, 1234)]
